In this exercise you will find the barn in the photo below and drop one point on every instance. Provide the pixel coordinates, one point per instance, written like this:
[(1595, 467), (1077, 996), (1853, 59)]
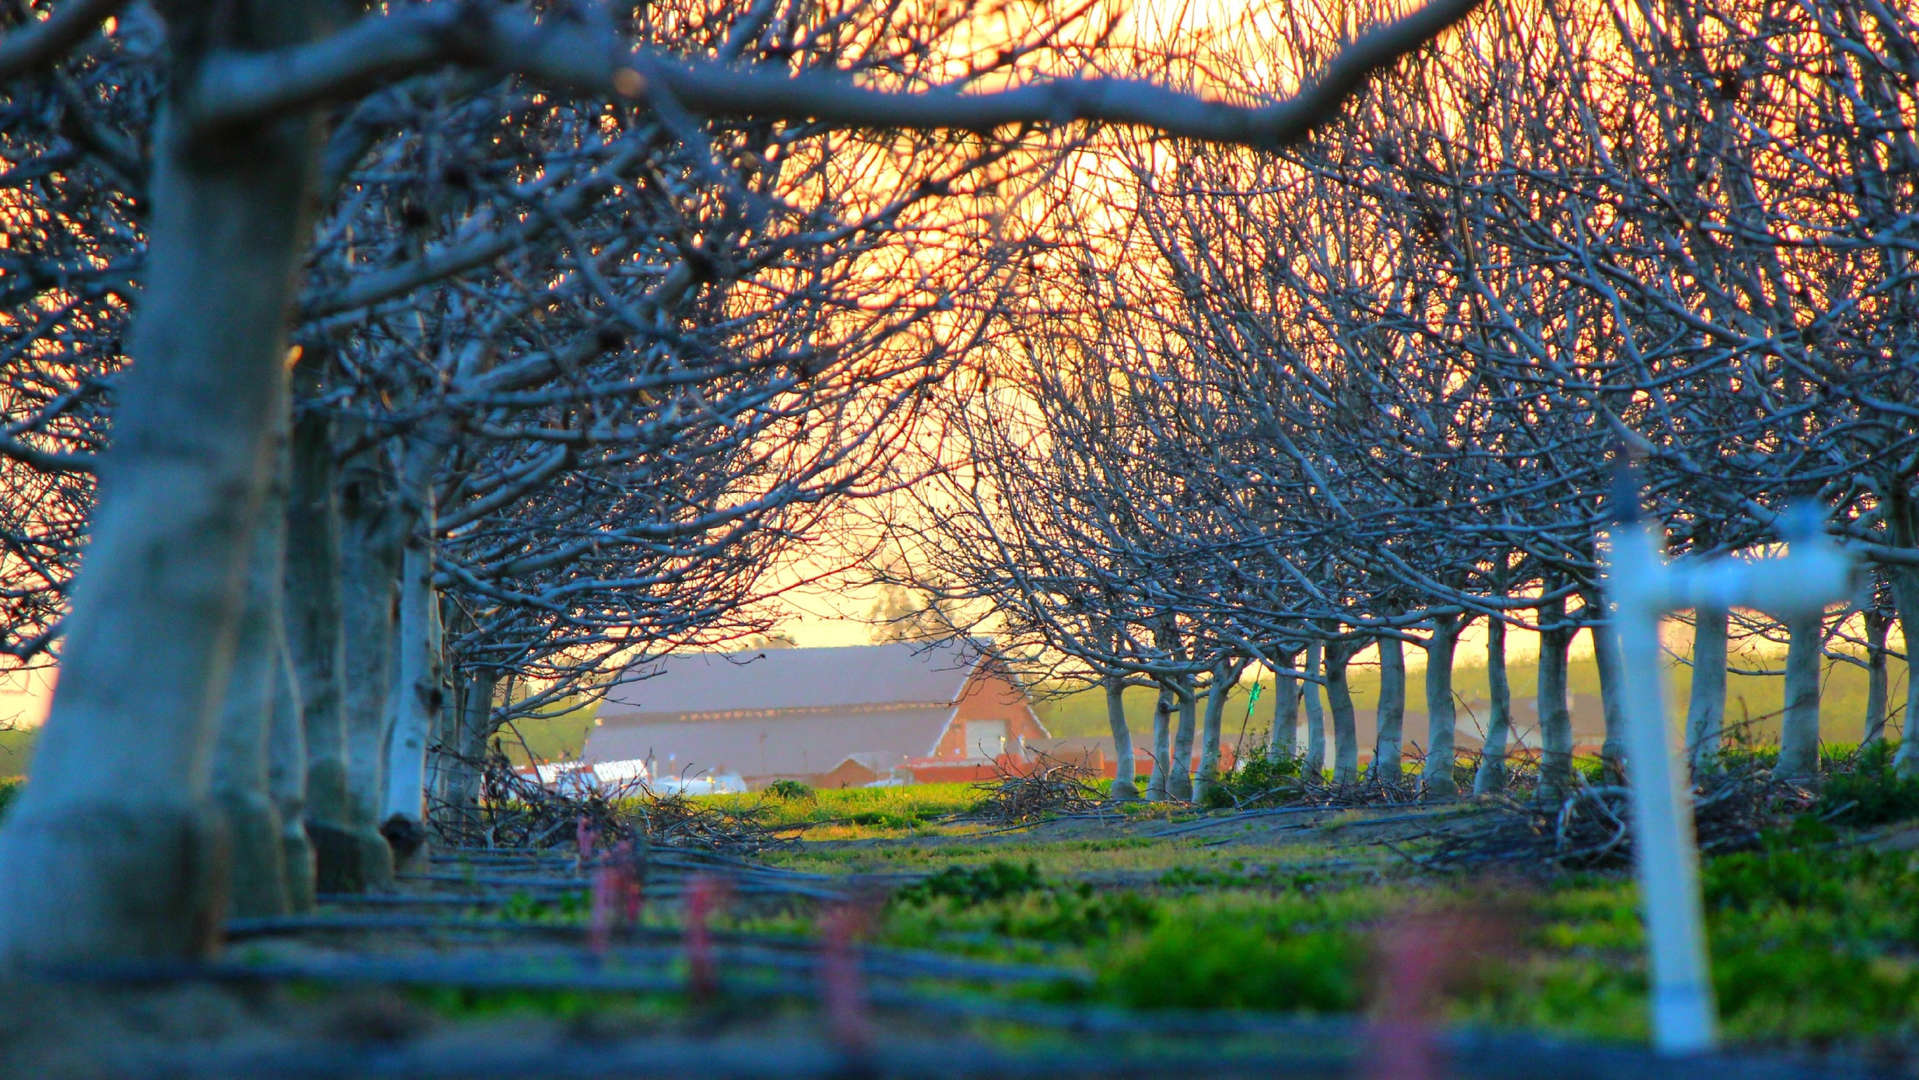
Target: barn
[(831, 717)]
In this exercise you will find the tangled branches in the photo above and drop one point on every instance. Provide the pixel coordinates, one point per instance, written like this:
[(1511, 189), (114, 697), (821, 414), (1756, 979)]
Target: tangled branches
[(1590, 828), (516, 810), (1054, 787)]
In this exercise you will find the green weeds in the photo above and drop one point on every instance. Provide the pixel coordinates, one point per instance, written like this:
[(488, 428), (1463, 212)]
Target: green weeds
[(969, 885)]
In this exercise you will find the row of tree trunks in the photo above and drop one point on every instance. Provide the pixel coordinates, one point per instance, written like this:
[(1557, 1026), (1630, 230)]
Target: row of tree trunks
[(1705, 716), (118, 847)]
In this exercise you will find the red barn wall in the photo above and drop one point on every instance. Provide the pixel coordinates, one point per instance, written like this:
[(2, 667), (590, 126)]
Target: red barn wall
[(990, 695)]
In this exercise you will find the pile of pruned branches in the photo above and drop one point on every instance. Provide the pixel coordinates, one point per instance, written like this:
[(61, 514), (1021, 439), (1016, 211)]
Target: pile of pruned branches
[(677, 821), (518, 811), (1262, 782), (1591, 827), (1014, 797)]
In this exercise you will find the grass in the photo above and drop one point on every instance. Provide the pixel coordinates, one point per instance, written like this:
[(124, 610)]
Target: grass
[(853, 813), (1813, 936), (16, 751), (1810, 945)]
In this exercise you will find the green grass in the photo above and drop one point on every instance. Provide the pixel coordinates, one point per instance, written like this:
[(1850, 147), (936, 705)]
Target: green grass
[(16, 751), (1810, 945), (845, 813), (1814, 940)]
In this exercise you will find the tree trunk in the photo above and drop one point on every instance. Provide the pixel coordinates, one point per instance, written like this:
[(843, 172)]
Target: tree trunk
[(1392, 710), (1491, 774), (316, 637), (1706, 698), (414, 701), (239, 778), (1799, 735), (1315, 714), (1282, 742), (1436, 779), (287, 782), (1209, 732), (1555, 713), (115, 849), (1339, 699), (1612, 691), (1156, 785), (1124, 788), (370, 541), (468, 743), (1179, 782), (1878, 626), (1905, 593)]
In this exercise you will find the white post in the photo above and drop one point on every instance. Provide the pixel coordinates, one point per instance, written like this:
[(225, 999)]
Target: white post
[(1643, 587)]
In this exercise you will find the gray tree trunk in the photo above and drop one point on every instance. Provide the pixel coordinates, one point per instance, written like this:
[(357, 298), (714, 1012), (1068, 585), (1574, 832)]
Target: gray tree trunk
[(1179, 782), (1212, 721), (287, 782), (239, 777), (370, 545), (1392, 710), (316, 642), (115, 849), (1436, 779), (1878, 627), (1555, 712), (1156, 785), (1903, 518), (1491, 774), (1124, 788), (1315, 714), (1612, 692), (1339, 700), (1706, 698), (1315, 710), (414, 700), (1799, 733), (468, 740), (1282, 742), (1905, 593)]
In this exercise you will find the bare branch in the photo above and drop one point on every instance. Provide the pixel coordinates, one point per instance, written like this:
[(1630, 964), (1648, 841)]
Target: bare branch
[(241, 89), (43, 43)]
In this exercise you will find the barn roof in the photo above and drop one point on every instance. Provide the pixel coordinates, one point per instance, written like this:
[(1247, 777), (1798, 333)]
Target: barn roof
[(792, 744), (919, 673)]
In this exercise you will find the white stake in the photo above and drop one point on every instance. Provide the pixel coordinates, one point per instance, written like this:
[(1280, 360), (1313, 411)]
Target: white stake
[(1643, 587)]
